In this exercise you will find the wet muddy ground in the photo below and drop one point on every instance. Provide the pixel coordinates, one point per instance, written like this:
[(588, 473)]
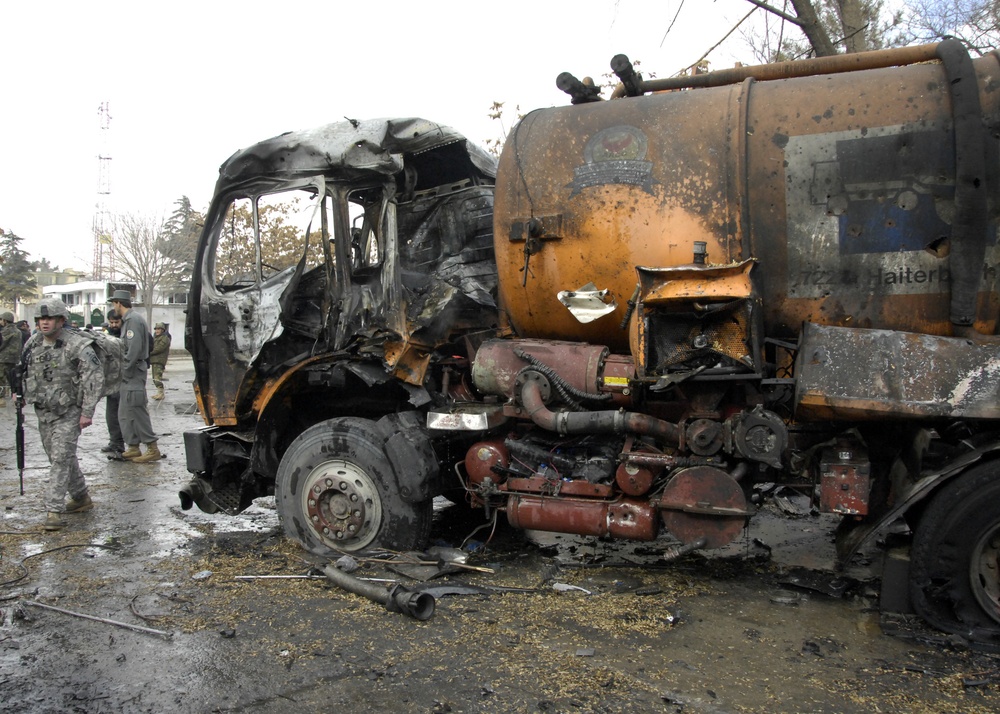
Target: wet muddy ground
[(561, 625)]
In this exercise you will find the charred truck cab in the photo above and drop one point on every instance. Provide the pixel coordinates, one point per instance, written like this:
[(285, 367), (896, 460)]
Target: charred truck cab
[(783, 274), (341, 272)]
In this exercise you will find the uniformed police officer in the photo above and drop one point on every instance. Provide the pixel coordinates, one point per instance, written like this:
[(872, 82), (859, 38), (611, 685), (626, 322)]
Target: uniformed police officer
[(116, 442), (133, 414), (63, 378)]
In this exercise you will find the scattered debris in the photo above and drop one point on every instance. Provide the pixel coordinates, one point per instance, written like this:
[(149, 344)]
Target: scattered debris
[(136, 628), (786, 597), (818, 581), (441, 590), (347, 564), (417, 605), (437, 561), (790, 502), (565, 587), (674, 552), (278, 577)]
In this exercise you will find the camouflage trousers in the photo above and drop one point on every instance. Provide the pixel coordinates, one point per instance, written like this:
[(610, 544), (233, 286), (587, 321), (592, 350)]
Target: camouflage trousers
[(60, 434), (157, 370), (5, 368)]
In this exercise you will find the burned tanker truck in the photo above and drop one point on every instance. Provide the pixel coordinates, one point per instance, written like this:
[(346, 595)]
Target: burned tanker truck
[(650, 305)]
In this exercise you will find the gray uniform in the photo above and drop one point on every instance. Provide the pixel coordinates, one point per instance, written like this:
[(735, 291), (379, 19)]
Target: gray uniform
[(63, 381), (133, 415)]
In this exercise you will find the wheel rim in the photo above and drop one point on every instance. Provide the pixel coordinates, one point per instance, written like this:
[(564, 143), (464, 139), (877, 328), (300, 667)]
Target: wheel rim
[(342, 505), (984, 572)]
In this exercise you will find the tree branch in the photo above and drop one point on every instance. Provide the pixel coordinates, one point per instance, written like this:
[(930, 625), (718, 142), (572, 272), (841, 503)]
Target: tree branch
[(775, 11), (712, 48)]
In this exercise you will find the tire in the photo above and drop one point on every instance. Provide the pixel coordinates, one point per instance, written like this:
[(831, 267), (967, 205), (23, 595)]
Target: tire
[(955, 558), (336, 492)]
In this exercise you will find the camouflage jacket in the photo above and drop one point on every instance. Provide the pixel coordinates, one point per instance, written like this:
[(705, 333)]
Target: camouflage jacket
[(10, 348), (161, 349), (66, 374)]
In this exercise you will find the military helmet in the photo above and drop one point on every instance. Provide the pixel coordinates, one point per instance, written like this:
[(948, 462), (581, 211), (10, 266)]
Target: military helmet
[(52, 307), (7, 315)]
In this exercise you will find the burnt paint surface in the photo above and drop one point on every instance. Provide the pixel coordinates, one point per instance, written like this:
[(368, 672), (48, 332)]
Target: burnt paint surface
[(871, 374), (842, 186), (436, 276)]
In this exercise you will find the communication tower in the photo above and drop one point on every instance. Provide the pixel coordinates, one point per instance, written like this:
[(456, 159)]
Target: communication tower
[(104, 247)]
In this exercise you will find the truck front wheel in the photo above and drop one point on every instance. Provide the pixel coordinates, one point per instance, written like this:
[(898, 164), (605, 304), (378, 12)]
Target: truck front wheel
[(336, 492), (955, 559)]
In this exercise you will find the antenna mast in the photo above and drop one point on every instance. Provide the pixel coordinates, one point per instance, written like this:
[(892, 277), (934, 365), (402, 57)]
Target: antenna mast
[(104, 255)]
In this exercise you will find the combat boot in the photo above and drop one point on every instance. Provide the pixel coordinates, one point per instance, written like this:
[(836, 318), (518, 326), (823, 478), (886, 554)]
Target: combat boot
[(152, 454), (159, 394), (132, 452), (80, 505), (53, 522)]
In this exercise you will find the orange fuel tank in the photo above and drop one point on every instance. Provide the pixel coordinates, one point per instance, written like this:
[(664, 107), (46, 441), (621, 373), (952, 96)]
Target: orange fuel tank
[(849, 193)]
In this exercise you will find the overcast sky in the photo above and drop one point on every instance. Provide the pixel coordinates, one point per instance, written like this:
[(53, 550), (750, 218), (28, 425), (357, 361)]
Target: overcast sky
[(188, 83)]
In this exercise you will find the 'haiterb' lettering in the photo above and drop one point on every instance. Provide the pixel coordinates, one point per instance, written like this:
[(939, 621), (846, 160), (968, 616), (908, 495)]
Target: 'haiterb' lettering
[(910, 276)]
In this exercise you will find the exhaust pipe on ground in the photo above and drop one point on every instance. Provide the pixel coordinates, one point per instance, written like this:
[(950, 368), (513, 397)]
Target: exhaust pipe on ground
[(419, 606)]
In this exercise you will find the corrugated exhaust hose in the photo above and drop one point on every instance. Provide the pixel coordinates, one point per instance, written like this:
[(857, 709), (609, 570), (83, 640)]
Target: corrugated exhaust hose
[(419, 606)]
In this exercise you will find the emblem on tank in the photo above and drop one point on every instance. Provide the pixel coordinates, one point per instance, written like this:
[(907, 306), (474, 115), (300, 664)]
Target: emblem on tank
[(614, 155)]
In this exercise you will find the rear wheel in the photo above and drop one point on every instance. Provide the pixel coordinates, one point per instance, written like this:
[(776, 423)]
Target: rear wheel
[(955, 560), (336, 492)]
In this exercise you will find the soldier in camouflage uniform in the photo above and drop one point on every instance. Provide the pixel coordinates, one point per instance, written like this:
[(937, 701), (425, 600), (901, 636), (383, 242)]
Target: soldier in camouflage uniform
[(64, 379), (158, 357), (10, 351)]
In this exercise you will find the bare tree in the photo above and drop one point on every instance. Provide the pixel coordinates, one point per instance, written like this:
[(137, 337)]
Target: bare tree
[(142, 256), (828, 27), (975, 22)]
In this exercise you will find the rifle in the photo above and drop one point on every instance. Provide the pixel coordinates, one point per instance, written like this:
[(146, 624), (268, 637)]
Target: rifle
[(19, 439), (16, 381)]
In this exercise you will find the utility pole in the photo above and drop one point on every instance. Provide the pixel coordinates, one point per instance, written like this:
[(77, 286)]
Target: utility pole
[(104, 247)]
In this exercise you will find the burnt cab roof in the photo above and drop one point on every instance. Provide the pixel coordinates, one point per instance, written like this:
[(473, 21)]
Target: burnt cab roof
[(355, 149)]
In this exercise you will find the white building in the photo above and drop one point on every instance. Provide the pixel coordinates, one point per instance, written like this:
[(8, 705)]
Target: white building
[(87, 302)]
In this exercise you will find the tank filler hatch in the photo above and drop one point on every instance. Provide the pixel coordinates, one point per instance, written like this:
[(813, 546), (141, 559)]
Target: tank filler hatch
[(695, 317)]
